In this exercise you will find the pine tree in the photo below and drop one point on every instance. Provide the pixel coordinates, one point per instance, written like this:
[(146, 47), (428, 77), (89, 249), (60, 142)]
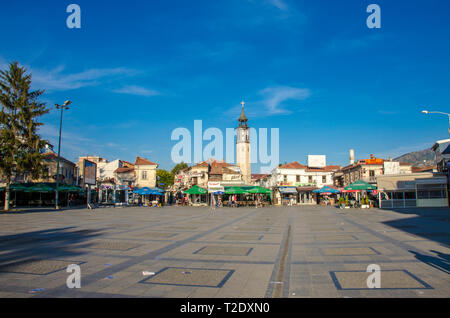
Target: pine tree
[(20, 143)]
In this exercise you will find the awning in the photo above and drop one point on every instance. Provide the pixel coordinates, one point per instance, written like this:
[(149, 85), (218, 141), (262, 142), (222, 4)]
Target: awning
[(288, 190), (306, 189), (196, 190), (327, 191), (147, 191), (259, 190), (235, 190), (41, 188), (360, 185)]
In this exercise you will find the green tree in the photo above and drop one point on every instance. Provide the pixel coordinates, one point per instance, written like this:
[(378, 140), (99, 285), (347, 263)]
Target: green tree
[(178, 168), (165, 178), (20, 143)]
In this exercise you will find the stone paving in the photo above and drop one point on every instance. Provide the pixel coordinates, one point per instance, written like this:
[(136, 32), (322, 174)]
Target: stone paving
[(228, 253)]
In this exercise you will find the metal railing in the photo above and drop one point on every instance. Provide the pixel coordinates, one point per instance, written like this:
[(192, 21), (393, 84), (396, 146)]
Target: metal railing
[(398, 204)]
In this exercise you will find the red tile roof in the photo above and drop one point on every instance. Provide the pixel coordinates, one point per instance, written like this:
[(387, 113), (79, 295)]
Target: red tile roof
[(218, 167), (144, 162), (424, 169), (293, 165), (324, 169), (201, 164), (53, 156), (258, 176), (123, 170), (127, 164)]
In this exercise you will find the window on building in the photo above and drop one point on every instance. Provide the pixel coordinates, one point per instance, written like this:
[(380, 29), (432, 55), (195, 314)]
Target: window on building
[(397, 196), (410, 195), (285, 179), (310, 179), (324, 179), (144, 175), (431, 191), (298, 179), (372, 173)]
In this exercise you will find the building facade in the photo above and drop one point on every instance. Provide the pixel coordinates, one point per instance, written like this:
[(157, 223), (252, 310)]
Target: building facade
[(67, 169), (425, 189), (368, 170), (296, 182), (145, 171)]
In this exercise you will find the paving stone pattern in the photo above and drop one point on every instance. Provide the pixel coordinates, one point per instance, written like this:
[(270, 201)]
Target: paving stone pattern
[(190, 252)]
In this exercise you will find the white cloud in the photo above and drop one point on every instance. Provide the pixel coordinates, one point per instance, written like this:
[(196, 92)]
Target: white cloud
[(274, 97), (280, 4), (57, 80), (137, 90)]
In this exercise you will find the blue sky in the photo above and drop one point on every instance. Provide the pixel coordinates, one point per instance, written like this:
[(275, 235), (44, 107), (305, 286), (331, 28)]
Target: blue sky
[(137, 70)]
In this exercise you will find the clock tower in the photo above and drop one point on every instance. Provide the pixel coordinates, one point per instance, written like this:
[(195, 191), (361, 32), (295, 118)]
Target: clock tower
[(243, 147)]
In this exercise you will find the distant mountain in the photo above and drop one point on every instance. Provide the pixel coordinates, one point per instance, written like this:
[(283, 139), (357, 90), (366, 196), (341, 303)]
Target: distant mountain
[(417, 158)]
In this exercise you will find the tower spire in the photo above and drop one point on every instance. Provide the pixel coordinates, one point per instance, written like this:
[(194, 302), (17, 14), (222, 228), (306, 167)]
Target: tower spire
[(243, 119)]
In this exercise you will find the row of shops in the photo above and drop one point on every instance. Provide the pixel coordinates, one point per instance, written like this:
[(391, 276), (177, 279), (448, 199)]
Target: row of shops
[(390, 192), (225, 196), (127, 195), (43, 195), (327, 195)]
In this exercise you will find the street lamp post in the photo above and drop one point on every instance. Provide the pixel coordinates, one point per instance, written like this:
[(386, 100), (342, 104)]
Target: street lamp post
[(428, 112), (63, 107)]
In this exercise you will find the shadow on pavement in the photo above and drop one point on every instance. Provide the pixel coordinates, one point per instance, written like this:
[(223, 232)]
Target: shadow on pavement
[(430, 223), (52, 243), (25, 210), (441, 262)]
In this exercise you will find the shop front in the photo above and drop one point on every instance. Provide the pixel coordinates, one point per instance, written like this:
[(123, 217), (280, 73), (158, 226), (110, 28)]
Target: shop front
[(286, 196), (306, 196), (413, 190), (197, 196)]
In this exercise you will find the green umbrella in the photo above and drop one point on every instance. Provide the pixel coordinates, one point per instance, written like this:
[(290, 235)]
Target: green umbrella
[(235, 190), (259, 190), (15, 187), (196, 190), (18, 187), (65, 188), (360, 185), (41, 188)]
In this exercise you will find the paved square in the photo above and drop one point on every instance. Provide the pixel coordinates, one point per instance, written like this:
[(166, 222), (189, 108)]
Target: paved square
[(303, 251), (224, 250), (347, 251), (393, 279), (190, 277), (242, 237), (36, 267), (113, 245)]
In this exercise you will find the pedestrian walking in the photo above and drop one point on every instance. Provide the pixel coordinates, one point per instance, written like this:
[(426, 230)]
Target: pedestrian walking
[(71, 200)]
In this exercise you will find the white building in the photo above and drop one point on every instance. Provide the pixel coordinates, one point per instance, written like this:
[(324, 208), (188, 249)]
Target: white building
[(296, 181)]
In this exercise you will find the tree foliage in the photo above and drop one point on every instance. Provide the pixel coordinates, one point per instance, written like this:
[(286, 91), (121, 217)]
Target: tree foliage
[(165, 178), (179, 167), (20, 143)]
